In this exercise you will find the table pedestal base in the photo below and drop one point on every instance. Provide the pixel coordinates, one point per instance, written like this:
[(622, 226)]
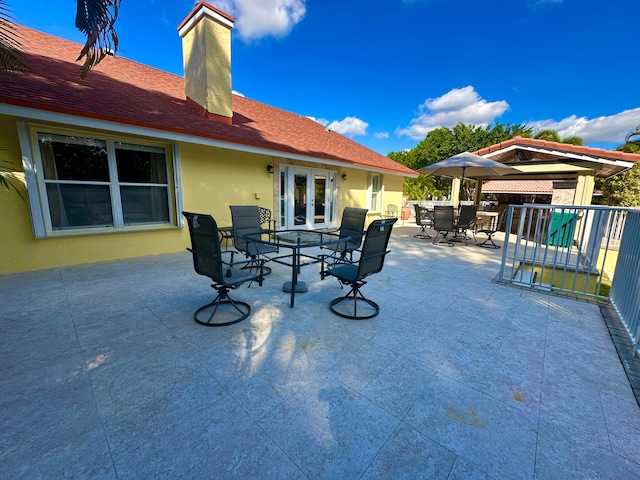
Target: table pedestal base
[(301, 287)]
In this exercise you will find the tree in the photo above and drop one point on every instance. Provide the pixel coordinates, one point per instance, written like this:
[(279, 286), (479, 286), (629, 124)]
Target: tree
[(632, 145), (553, 136), (445, 142), (623, 190), (8, 179), (94, 18), (12, 57)]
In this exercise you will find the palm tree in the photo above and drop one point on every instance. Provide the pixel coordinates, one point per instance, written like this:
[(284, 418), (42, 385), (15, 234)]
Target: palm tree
[(94, 18), (12, 57), (8, 179), (631, 145), (553, 136)]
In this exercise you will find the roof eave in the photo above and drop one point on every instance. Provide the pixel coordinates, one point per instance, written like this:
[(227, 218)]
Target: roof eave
[(117, 125)]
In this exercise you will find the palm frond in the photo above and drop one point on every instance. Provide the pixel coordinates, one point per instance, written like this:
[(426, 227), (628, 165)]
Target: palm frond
[(8, 179), (12, 58), (96, 19)]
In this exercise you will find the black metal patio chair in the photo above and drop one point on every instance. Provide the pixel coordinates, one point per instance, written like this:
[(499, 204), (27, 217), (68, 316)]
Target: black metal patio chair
[(351, 225), (246, 220), (208, 261), (424, 219), (490, 230), (466, 222), (443, 224), (353, 274)]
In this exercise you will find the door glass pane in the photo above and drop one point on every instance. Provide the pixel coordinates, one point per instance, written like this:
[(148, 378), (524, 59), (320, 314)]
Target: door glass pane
[(320, 187), (300, 199), (283, 209)]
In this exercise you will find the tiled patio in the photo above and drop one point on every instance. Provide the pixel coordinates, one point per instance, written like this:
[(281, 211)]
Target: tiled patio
[(105, 375)]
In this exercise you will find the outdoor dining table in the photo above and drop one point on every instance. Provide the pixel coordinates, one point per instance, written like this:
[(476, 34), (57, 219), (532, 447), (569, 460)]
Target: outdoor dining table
[(297, 241)]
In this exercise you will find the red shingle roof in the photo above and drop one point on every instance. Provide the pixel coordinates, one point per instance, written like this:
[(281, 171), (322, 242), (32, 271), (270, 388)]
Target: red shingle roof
[(128, 92)]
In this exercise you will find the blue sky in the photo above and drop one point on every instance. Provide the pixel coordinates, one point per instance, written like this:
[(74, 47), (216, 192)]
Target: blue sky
[(385, 73)]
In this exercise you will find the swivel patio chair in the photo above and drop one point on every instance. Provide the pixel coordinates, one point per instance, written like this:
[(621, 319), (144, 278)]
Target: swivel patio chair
[(494, 226), (466, 221), (424, 219), (353, 274), (351, 225), (443, 224), (208, 261), (246, 220)]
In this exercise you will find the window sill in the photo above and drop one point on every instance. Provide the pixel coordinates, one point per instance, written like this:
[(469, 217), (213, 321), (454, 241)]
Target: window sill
[(87, 232)]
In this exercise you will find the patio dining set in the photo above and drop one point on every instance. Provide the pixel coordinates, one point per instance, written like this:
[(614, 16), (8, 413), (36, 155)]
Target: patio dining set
[(445, 221), (332, 248)]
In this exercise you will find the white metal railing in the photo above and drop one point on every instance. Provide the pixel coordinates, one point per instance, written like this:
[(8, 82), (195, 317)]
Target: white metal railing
[(592, 252), (625, 289), (561, 248)]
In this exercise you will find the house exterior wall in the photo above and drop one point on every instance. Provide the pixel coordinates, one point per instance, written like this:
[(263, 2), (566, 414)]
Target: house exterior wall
[(211, 179)]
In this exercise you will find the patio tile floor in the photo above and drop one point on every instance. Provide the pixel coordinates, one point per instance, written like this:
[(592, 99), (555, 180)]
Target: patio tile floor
[(105, 375)]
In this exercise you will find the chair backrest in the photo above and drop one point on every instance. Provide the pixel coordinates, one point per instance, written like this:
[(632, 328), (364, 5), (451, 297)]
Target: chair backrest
[(245, 219), (422, 214), (496, 222), (205, 245), (443, 217), (375, 246), (500, 220), (392, 210), (265, 216), (352, 225), (467, 215)]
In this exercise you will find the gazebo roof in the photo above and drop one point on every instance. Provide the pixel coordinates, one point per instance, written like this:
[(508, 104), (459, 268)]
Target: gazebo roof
[(558, 158)]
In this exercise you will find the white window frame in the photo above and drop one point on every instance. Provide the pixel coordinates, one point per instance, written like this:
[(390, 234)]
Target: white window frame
[(36, 190), (379, 193)]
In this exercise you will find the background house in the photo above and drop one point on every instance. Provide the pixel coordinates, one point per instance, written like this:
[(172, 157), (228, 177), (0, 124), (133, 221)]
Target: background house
[(110, 162)]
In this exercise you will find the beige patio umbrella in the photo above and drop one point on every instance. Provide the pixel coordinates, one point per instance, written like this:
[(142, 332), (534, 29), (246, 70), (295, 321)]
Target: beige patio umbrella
[(467, 164)]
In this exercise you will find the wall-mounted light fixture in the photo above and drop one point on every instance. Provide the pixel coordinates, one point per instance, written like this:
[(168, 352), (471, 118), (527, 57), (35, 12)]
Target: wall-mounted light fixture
[(270, 168), (344, 176)]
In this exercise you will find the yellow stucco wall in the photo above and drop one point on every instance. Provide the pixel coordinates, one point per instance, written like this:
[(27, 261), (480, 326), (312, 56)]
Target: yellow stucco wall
[(212, 179)]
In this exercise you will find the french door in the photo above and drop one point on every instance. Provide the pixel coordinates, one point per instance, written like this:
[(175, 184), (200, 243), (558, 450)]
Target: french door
[(307, 198)]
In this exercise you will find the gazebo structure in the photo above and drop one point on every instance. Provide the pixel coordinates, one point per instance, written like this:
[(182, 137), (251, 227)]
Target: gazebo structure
[(572, 168)]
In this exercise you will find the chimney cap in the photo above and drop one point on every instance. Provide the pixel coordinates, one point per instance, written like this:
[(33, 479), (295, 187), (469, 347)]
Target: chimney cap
[(201, 9)]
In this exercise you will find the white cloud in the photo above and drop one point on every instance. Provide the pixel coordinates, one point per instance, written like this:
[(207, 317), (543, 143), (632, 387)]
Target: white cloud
[(458, 105), (609, 129), (256, 19), (237, 93), (381, 135), (350, 126), (321, 121)]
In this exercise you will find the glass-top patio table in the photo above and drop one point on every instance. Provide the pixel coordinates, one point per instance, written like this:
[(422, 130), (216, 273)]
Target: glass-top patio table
[(296, 240)]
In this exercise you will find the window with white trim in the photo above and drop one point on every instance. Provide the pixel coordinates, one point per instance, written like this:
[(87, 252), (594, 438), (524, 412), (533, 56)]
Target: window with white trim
[(375, 192), (88, 182)]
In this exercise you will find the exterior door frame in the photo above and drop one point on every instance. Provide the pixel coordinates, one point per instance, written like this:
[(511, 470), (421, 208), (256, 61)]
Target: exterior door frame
[(300, 202)]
